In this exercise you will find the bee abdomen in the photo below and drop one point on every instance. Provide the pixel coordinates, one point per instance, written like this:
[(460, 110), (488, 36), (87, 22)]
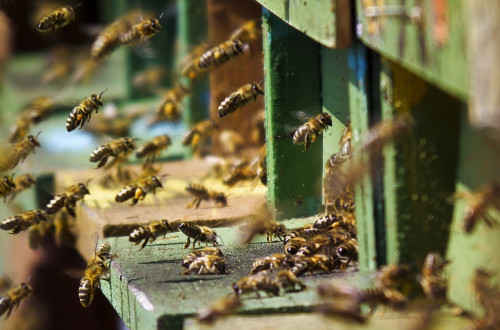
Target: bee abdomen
[(125, 194), (197, 190), (99, 153), (72, 121), (55, 204), (10, 223), (327, 221), (145, 150), (4, 304), (86, 292), (138, 235), (189, 230)]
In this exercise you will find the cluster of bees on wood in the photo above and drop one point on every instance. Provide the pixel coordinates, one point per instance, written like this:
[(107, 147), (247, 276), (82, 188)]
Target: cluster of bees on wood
[(327, 245)]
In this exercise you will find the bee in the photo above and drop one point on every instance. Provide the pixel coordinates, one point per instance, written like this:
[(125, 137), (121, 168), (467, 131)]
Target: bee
[(38, 109), (201, 193), (479, 203), (85, 71), (238, 172), (23, 221), (489, 298), (13, 297), (385, 132), (231, 142), (83, 111), (317, 263), (287, 281), (256, 283), (220, 308), (97, 269), (19, 130), (431, 279), (275, 260), (139, 190), (242, 96), (150, 232), (62, 230), (170, 106), (7, 185), (316, 244), (262, 224), (109, 38), (304, 232), (433, 264), (140, 32), (198, 133), (248, 32), (149, 78), (18, 152), (220, 54), (193, 255), (189, 64), (383, 296), (22, 183), (349, 311), (328, 220), (37, 233), (207, 264), (68, 199), (153, 148), (198, 233), (59, 64), (392, 276), (308, 132), (346, 252), (119, 147), (5, 283), (56, 20), (294, 244)]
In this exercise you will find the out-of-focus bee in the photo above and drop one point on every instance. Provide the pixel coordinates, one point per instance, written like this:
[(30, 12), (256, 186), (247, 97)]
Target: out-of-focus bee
[(276, 260), (97, 269), (199, 253), (149, 78), (23, 221), (56, 20), (59, 65), (346, 252), (308, 132), (5, 283), (220, 54), (479, 204), (170, 106), (207, 264), (150, 232), (288, 282), (140, 32), (431, 280), (344, 202), (317, 263), (317, 244), (248, 32), (13, 297), (237, 172), (153, 148), (392, 276), (109, 38), (256, 283), (38, 109), (68, 199), (489, 298), (305, 232), (189, 64), (220, 308), (17, 153), (231, 141), (262, 224), (258, 132), (139, 190), (7, 185), (293, 245), (22, 183), (201, 193), (198, 133), (119, 147), (243, 95), (85, 71), (19, 130), (385, 132), (83, 111), (198, 233), (348, 311), (37, 233)]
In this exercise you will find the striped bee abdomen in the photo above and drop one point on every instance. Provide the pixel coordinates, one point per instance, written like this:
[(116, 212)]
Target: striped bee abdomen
[(86, 291), (138, 235), (55, 204), (72, 121), (125, 194)]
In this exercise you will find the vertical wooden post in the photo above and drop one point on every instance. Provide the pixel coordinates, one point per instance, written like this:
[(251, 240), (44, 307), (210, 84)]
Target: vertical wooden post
[(292, 83)]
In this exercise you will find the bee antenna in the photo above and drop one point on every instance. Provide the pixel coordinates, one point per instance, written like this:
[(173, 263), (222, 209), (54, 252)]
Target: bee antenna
[(88, 181), (221, 239), (161, 15), (104, 91), (78, 5), (36, 136), (136, 139), (261, 83)]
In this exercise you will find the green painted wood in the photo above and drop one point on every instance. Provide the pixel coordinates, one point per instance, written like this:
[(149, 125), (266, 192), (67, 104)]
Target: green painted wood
[(434, 49), (478, 164), (326, 21), (420, 168), (148, 290), (359, 104), (192, 29), (292, 83)]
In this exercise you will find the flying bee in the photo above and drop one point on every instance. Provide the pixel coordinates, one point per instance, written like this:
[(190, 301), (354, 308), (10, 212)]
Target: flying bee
[(198, 133), (256, 283), (489, 298), (242, 96), (220, 54), (193, 255), (97, 269), (201, 193), (392, 276), (59, 65), (62, 227), (18, 152), (139, 190), (140, 32), (5, 283), (308, 132), (262, 224), (82, 112), (198, 233), (22, 183), (12, 298), (170, 106), (189, 64), (149, 78), (37, 233), (349, 311), (238, 172), (479, 204), (56, 20), (7, 185), (153, 148), (19, 130), (383, 296), (38, 109), (150, 232), (220, 308), (68, 199), (248, 32), (433, 264), (231, 142), (346, 252), (119, 147), (109, 38), (23, 221), (385, 132), (431, 279), (275, 260), (207, 264), (85, 71)]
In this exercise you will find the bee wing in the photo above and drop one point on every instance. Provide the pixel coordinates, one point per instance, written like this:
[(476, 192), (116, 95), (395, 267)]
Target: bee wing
[(5, 283), (301, 115), (145, 49), (75, 273)]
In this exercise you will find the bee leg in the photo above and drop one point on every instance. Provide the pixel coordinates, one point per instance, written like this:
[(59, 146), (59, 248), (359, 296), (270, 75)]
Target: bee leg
[(102, 162), (71, 209), (187, 243), (145, 242), (198, 202)]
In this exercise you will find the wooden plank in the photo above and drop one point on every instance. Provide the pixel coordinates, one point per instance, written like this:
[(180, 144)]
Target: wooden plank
[(326, 21), (292, 83), (421, 168), (431, 46)]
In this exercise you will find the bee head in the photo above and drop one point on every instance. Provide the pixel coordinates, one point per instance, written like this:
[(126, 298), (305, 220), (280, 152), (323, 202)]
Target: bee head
[(8, 181), (258, 88), (222, 199), (157, 181), (83, 189), (96, 99), (26, 288), (40, 214), (33, 140), (325, 119), (155, 25)]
